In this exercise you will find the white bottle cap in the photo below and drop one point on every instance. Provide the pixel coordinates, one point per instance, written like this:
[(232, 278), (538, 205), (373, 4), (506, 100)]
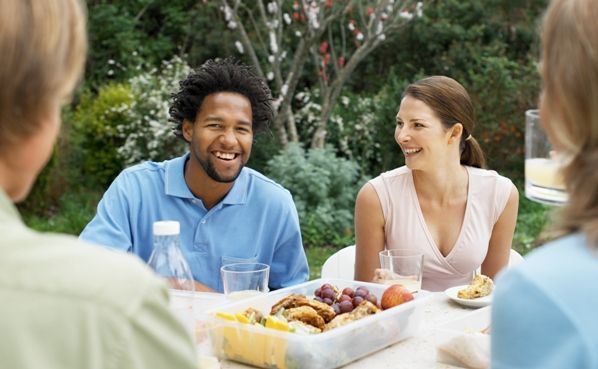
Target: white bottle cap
[(167, 228)]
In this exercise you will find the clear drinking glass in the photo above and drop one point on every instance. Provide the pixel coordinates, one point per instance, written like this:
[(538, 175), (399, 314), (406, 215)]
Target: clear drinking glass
[(402, 266), (242, 280), (543, 179)]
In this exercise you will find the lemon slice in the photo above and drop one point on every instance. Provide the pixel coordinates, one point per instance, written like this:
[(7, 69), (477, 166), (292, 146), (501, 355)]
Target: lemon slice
[(242, 318), (276, 323), (226, 316)]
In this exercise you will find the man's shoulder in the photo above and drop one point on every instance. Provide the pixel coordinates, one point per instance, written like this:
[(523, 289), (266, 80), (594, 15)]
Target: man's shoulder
[(263, 183)]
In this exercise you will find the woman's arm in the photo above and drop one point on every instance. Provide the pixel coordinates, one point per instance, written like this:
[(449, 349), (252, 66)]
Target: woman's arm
[(369, 233), (502, 236)]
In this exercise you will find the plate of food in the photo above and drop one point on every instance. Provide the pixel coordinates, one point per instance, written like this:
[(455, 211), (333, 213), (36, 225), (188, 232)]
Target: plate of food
[(477, 294)]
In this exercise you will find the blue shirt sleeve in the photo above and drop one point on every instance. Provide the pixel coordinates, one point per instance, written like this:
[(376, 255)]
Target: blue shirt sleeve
[(530, 329), (289, 263), (111, 225)]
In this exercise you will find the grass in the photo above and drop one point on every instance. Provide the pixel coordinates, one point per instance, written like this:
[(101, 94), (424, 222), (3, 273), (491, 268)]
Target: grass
[(74, 210)]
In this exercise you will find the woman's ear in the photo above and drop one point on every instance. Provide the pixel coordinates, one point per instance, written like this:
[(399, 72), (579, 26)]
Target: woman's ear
[(187, 130), (455, 133)]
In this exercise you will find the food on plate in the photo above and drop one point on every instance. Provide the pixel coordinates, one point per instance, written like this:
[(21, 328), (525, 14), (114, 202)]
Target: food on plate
[(480, 286), (395, 295)]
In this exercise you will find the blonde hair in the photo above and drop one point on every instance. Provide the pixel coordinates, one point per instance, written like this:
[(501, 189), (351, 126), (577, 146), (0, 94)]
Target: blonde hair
[(451, 102), (570, 94), (43, 45)]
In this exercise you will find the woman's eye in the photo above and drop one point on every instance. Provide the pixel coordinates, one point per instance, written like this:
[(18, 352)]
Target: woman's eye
[(399, 124)]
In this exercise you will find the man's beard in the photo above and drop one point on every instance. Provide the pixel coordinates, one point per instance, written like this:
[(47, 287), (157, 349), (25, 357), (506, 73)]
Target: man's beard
[(208, 167)]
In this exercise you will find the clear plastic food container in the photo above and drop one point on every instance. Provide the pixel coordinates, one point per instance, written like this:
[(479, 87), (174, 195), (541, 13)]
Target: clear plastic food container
[(270, 348)]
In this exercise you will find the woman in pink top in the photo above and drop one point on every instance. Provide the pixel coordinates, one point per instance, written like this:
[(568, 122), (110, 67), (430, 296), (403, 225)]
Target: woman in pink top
[(441, 202)]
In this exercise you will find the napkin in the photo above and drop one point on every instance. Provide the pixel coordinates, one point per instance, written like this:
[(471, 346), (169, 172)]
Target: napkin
[(469, 350)]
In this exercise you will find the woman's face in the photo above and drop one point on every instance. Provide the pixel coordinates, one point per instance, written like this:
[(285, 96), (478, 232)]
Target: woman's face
[(421, 135)]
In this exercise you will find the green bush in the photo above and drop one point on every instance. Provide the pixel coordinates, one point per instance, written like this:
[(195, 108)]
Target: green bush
[(324, 187), (98, 125)]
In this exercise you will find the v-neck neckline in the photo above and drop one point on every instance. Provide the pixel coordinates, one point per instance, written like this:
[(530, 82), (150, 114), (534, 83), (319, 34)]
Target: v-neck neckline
[(422, 219)]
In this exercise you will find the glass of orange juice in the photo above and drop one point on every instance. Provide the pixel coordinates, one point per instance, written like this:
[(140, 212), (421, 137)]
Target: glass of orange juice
[(543, 179)]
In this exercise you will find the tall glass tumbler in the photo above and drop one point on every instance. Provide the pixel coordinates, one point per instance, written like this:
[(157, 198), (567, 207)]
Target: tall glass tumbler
[(543, 178)]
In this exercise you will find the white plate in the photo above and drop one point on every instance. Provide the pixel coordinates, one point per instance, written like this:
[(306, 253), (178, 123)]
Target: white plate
[(479, 302)]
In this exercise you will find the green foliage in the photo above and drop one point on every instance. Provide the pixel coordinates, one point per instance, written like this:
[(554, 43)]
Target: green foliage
[(97, 124), (324, 187), (531, 221), (146, 131), (72, 213)]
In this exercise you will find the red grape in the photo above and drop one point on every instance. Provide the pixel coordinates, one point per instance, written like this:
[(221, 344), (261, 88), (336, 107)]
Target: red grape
[(328, 293), (372, 298), (327, 301), (346, 306), (357, 300), (337, 308), (344, 298), (318, 292), (348, 291)]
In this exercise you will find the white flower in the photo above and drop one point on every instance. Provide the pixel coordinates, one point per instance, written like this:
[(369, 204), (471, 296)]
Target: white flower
[(419, 9), (271, 58), (297, 33), (232, 25), (359, 36), (351, 27), (239, 47), (272, 7), (228, 13), (287, 18), (110, 61), (406, 15), (273, 43), (284, 89), (270, 76)]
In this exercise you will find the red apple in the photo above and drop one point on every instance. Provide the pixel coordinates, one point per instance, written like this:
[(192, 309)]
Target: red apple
[(395, 295)]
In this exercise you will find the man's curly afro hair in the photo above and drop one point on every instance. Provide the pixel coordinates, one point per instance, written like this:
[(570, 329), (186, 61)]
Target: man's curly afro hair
[(225, 75)]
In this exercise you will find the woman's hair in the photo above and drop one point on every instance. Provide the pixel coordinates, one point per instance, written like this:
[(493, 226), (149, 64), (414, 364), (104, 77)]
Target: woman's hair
[(452, 104), (214, 76), (570, 95), (43, 45)]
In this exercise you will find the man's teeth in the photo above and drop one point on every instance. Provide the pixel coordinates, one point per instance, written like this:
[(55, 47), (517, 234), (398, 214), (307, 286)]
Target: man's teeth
[(224, 155), (412, 151)]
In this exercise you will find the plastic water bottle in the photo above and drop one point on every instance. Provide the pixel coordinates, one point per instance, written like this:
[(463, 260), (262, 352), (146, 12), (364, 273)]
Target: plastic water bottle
[(167, 259)]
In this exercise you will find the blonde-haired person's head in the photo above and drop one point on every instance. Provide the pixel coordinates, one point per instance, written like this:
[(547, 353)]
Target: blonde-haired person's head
[(43, 46), (569, 105)]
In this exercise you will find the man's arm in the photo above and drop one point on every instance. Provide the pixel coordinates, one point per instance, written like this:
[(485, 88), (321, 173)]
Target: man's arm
[(111, 224), (289, 263)]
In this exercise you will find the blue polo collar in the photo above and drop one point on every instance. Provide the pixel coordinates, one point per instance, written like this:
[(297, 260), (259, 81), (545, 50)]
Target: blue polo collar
[(175, 185)]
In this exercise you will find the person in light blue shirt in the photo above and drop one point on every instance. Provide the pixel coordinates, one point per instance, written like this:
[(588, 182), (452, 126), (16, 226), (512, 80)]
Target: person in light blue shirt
[(544, 313), (228, 213)]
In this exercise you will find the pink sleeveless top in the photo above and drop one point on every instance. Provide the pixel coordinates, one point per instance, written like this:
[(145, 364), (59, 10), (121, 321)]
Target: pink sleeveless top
[(405, 226)]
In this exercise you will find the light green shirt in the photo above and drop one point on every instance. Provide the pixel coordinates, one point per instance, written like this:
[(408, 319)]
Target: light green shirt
[(65, 304)]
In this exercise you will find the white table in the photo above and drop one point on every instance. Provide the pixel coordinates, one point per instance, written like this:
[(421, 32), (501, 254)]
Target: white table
[(417, 352)]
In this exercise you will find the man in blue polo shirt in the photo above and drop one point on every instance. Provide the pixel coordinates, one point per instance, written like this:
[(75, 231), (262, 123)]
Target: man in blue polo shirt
[(228, 213)]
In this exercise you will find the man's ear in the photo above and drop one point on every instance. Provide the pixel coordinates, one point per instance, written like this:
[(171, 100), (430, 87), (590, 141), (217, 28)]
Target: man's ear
[(187, 130), (455, 133)]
